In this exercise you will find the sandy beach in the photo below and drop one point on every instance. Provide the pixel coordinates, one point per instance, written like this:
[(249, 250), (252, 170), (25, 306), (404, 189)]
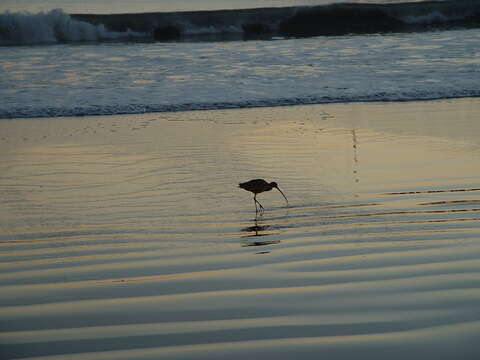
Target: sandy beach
[(126, 237)]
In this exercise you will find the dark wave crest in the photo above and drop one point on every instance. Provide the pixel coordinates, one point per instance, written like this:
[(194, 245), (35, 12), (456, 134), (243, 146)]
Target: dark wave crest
[(325, 20), (263, 23)]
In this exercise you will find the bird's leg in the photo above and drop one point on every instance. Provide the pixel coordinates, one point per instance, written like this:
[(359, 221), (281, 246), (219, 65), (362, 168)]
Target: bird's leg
[(257, 202), (261, 207)]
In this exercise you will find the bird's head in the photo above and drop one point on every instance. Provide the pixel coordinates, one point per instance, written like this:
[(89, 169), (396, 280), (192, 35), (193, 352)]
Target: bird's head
[(273, 184)]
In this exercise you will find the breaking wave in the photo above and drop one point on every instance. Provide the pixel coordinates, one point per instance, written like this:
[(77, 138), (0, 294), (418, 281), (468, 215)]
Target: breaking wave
[(323, 20), (24, 28)]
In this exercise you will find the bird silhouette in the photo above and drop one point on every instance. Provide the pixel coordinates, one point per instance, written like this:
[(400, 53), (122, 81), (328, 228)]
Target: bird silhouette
[(257, 186)]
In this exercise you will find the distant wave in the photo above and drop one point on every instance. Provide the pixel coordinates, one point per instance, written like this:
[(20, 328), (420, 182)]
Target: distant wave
[(301, 21), (116, 109), (264, 23)]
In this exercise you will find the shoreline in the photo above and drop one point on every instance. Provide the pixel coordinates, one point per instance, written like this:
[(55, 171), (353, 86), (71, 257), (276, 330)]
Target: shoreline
[(290, 103)]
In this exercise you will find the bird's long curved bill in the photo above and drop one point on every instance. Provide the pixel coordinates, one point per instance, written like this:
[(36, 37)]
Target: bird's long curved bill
[(281, 192)]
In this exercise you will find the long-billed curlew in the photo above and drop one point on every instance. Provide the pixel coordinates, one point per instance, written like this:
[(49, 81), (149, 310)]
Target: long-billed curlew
[(257, 186)]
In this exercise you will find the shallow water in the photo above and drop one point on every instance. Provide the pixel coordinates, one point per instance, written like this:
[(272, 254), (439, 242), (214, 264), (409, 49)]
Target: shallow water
[(126, 236)]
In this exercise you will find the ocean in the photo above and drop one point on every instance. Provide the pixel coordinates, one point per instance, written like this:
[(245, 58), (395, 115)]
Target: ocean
[(126, 126), (128, 6), (57, 63)]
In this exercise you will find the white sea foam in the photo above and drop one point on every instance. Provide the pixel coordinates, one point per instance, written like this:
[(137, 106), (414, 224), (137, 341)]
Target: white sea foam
[(157, 77), (190, 29), (433, 17), (22, 28)]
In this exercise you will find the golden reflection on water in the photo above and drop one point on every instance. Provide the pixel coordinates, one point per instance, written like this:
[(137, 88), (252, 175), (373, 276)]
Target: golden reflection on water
[(124, 225), (157, 161)]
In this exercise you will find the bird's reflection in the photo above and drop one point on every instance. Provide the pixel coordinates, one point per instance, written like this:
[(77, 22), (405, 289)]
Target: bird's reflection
[(256, 230)]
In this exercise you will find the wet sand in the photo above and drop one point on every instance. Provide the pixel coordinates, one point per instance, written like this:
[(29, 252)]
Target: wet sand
[(126, 237)]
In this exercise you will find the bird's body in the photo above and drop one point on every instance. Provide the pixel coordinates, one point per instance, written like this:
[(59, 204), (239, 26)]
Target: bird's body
[(257, 186)]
